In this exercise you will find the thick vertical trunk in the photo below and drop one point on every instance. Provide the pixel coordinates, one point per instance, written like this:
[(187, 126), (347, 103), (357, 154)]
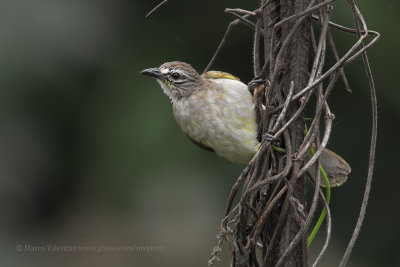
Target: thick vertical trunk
[(295, 67)]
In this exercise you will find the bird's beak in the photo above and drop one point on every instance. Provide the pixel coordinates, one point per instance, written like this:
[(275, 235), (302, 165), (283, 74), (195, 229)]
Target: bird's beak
[(153, 72)]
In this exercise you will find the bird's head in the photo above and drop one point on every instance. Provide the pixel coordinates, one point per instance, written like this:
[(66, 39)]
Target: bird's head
[(177, 79)]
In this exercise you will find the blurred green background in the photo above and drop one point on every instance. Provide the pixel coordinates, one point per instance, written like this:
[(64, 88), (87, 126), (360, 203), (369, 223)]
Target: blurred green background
[(91, 155)]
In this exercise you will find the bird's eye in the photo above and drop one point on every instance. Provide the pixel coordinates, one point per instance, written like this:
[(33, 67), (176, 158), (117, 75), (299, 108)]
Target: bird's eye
[(175, 76)]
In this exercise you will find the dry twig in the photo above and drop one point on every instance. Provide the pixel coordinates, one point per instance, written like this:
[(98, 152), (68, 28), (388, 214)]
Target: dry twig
[(155, 8)]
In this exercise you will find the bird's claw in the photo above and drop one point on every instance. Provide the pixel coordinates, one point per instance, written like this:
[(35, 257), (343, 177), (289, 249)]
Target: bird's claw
[(270, 137), (253, 84)]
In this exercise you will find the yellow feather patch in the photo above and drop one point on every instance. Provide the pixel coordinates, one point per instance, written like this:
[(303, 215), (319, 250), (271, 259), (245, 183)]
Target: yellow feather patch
[(168, 83), (258, 147), (219, 75)]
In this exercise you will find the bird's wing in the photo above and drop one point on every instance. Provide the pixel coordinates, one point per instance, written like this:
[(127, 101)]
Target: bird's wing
[(203, 146), (219, 75), (225, 75)]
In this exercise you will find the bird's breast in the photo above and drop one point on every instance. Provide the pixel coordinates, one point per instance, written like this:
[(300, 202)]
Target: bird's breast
[(224, 121)]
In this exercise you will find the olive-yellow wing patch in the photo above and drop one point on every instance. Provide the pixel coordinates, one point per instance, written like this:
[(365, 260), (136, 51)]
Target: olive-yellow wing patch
[(219, 75)]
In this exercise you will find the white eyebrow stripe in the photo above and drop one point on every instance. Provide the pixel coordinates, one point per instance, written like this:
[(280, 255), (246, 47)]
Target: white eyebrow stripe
[(184, 74), (180, 72), (164, 70)]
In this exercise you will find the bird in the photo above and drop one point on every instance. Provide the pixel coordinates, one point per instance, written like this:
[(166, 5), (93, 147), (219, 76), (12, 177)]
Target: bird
[(216, 112)]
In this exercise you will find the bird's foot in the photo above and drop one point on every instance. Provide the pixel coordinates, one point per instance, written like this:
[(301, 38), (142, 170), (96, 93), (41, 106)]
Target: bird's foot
[(255, 83), (270, 137)]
